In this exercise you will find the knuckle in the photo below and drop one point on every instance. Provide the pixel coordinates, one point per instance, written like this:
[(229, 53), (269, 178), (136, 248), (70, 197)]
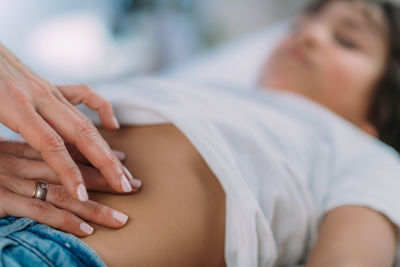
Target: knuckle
[(87, 88), (39, 207), (61, 195), (86, 128), (95, 210), (41, 87), (53, 143), (17, 93), (43, 92), (71, 171)]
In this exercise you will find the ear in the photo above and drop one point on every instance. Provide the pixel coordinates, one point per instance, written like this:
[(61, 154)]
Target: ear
[(369, 129)]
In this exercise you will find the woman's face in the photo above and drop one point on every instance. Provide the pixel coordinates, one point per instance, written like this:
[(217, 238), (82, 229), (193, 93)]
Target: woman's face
[(335, 57)]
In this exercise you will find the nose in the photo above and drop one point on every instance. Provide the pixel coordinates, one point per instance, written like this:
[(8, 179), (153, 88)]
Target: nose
[(310, 34)]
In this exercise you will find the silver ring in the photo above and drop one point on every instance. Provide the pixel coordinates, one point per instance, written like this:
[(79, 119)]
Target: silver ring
[(40, 191)]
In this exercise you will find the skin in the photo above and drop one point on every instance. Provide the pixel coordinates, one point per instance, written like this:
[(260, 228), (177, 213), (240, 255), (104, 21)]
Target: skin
[(45, 116), (179, 215), (322, 48), (20, 166), (336, 57)]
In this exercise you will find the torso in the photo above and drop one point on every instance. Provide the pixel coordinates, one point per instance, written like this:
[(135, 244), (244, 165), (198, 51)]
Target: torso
[(178, 217)]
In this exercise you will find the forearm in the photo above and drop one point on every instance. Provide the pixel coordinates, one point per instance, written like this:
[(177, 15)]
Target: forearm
[(341, 263)]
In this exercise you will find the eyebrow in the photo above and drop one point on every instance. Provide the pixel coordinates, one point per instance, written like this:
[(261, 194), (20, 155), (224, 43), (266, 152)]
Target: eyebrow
[(356, 25), (375, 26), (370, 26)]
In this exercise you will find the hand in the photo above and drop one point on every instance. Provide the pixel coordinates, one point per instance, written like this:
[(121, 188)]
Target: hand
[(43, 114), (60, 210), (21, 160)]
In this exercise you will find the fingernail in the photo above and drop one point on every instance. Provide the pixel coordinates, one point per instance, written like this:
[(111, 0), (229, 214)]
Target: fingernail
[(136, 183), (120, 155), (116, 123), (82, 193), (119, 216), (126, 186), (86, 228), (127, 172)]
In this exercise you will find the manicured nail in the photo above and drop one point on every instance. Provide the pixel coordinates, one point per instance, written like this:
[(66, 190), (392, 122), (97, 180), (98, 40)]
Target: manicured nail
[(120, 155), (128, 173), (82, 193), (119, 216), (136, 183), (115, 122), (126, 186), (86, 228)]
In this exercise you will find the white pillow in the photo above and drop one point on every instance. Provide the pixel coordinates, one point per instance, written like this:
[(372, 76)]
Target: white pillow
[(237, 63)]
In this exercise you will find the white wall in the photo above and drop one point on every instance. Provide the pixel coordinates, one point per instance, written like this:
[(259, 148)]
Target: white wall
[(63, 46), (238, 17)]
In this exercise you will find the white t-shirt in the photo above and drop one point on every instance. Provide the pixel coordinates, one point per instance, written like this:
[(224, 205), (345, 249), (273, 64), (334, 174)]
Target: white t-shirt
[(282, 160)]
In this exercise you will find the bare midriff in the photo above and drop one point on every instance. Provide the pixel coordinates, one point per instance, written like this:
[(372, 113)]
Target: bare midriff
[(177, 218)]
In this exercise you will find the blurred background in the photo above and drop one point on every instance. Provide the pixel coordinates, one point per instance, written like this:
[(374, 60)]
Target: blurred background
[(96, 41)]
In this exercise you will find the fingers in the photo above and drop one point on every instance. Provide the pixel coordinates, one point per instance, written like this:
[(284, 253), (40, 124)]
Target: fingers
[(83, 134), (95, 181), (25, 94), (24, 168), (19, 149), (59, 197), (24, 150), (54, 152), (39, 170), (21, 93), (43, 212), (77, 94), (88, 210), (78, 157)]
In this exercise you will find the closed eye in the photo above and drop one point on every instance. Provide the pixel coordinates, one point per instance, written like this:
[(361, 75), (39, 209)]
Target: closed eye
[(346, 42)]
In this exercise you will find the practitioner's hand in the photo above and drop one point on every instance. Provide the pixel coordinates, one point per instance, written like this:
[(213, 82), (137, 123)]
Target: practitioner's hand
[(43, 114), (60, 210), (21, 160)]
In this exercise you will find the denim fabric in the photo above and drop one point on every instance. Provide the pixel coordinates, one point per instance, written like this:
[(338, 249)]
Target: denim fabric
[(25, 242)]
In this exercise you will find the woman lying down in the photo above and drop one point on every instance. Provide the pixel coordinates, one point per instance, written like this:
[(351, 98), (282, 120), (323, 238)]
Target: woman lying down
[(303, 169)]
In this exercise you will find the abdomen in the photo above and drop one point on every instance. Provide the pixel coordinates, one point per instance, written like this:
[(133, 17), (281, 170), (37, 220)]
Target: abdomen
[(178, 217)]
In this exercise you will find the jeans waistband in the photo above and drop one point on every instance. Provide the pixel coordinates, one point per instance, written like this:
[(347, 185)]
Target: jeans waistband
[(25, 242)]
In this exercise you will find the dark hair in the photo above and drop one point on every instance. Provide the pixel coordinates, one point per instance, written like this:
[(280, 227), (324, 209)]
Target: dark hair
[(384, 112)]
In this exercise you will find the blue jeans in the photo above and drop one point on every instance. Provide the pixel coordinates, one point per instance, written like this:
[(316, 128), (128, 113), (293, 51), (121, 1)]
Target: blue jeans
[(25, 242)]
